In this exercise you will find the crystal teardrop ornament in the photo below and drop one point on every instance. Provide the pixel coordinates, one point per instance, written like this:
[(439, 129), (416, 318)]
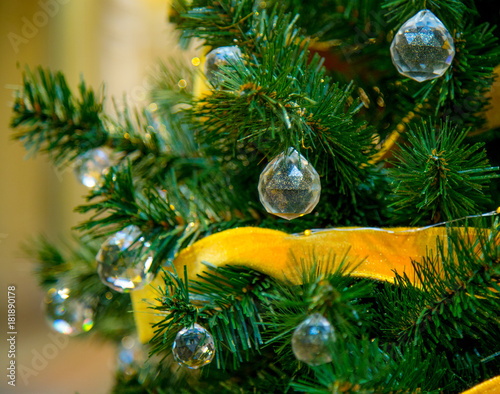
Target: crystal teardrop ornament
[(289, 186), (217, 57), (422, 49), (91, 166), (312, 339), (193, 347), (66, 314), (124, 260)]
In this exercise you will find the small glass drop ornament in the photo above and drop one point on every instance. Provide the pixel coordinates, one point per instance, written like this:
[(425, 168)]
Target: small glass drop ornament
[(131, 356), (193, 347), (217, 57), (67, 315), (91, 166), (312, 339), (289, 186), (124, 260), (422, 49)]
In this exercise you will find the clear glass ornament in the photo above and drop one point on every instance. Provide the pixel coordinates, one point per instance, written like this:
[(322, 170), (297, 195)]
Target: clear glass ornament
[(217, 57), (131, 356), (289, 186), (67, 315), (312, 339), (422, 49), (91, 166), (193, 347), (124, 260)]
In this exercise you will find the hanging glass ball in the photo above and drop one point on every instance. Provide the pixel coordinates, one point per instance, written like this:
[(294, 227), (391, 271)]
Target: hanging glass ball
[(217, 57), (312, 339), (131, 356), (124, 260), (422, 49), (67, 315), (289, 186), (193, 347), (91, 166)]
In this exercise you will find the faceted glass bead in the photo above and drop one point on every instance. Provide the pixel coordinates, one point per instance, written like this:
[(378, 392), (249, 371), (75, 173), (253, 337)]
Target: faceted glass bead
[(67, 315), (124, 260), (193, 347), (90, 167), (131, 356), (289, 186), (422, 49), (312, 339), (217, 57)]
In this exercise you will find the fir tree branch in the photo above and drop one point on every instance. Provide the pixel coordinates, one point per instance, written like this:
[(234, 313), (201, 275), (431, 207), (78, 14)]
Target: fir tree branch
[(218, 23), (54, 120), (362, 366), (453, 13), (333, 293), (155, 144), (167, 92), (226, 300), (294, 105), (74, 267), (171, 217), (438, 177), (338, 23), (461, 94), (449, 310)]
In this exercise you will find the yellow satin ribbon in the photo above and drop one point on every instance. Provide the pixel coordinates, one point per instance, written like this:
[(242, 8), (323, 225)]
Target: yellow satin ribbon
[(376, 253), (491, 386)]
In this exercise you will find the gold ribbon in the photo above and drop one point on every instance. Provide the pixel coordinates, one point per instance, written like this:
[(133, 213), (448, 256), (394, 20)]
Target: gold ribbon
[(374, 252), (377, 252), (491, 386)]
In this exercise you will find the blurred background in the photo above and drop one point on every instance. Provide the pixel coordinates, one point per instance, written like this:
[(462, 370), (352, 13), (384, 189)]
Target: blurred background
[(113, 41)]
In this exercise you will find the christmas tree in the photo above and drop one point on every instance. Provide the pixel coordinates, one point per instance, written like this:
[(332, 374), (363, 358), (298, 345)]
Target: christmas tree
[(309, 206)]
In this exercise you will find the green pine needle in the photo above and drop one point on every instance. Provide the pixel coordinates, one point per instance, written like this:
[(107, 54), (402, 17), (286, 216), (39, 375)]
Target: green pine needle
[(437, 177), (450, 306), (293, 105), (73, 266), (54, 120)]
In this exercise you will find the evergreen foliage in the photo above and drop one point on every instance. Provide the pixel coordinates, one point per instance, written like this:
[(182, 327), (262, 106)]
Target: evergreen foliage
[(73, 266), (318, 78), (53, 120), (430, 175)]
